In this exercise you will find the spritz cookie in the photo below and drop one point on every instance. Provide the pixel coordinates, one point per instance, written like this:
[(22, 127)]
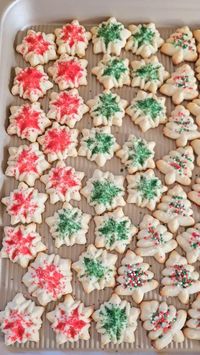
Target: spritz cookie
[(25, 204), (144, 40), (37, 48), (67, 107), (26, 163), (196, 34), (72, 39), (104, 191), (134, 278), (189, 240), (197, 68), (48, 278), (70, 320), (179, 278), (148, 74), (163, 323), (177, 166), (114, 231), (180, 46), (63, 183), (69, 72), (182, 85), (137, 154), (112, 72), (109, 37), (194, 108), (154, 239), (116, 321), (145, 189), (196, 146), (175, 209), (192, 330), (68, 225), (31, 83), (21, 320), (147, 110), (107, 109), (181, 127), (98, 144), (96, 269), (194, 195)]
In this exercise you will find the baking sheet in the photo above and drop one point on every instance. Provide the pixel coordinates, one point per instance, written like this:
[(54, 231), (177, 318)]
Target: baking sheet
[(12, 273)]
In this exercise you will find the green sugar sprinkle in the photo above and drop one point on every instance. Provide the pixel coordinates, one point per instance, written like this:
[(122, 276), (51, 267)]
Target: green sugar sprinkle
[(143, 36), (148, 72), (139, 152), (150, 107), (113, 231), (108, 105), (110, 32), (115, 68), (104, 192), (148, 187), (94, 268), (101, 143), (68, 222), (114, 320)]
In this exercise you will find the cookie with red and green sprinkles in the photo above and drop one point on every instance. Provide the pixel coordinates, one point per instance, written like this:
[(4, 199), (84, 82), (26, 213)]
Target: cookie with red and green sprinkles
[(189, 240), (192, 330)]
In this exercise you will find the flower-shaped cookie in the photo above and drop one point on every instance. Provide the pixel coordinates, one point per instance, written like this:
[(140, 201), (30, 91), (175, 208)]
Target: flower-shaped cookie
[(192, 330), (37, 48), (95, 269), (98, 144), (48, 278), (70, 320), (112, 72), (145, 189), (25, 204), (148, 74), (179, 278), (26, 163), (109, 37), (66, 107), (196, 146), (154, 239), (31, 83), (21, 244), (182, 85), (21, 320), (137, 154), (144, 40), (194, 108), (69, 72), (104, 191), (116, 321), (63, 183), (134, 278), (190, 243), (114, 231), (194, 195), (147, 110), (68, 226), (72, 39)]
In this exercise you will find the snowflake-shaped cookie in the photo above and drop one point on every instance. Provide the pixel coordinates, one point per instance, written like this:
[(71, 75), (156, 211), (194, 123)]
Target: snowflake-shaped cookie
[(181, 127), (31, 83), (145, 189), (194, 195), (134, 278), (37, 48), (21, 320), (72, 39), (96, 269), (104, 191), (192, 330), (107, 109), (163, 323), (21, 244), (179, 278), (69, 72), (175, 209), (194, 108), (48, 278), (26, 163), (98, 144), (116, 321), (68, 226), (180, 46), (70, 320), (144, 40), (25, 204), (196, 146), (148, 74), (109, 37), (182, 85), (67, 107), (114, 231), (112, 72), (63, 183), (154, 239), (137, 154), (177, 166), (147, 110), (190, 243)]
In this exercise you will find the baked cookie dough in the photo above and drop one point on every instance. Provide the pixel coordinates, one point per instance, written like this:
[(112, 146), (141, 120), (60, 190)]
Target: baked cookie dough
[(194, 194), (189, 240), (192, 330)]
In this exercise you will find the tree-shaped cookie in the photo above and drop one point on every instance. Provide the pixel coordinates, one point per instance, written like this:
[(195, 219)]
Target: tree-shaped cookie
[(194, 195), (134, 278), (196, 146), (192, 330), (194, 108), (189, 241)]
